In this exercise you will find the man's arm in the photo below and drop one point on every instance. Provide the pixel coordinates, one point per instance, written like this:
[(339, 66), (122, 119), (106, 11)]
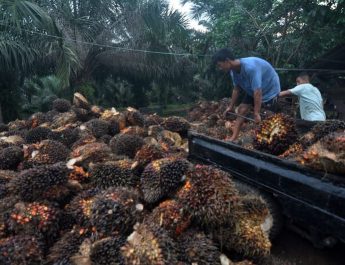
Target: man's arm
[(285, 93), (257, 104)]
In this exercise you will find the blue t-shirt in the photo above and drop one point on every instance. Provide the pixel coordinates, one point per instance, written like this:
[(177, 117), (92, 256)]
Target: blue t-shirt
[(255, 74)]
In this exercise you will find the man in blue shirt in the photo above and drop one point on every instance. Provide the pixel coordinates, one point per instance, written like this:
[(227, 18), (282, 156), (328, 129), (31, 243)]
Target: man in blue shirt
[(253, 75)]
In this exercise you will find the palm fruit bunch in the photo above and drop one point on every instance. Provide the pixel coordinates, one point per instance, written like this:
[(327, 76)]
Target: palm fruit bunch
[(113, 174), (30, 184), (293, 151), (20, 250), (153, 119), (135, 130), (37, 134), (134, 117), (275, 134), (194, 247), (97, 127), (148, 153), (5, 177), (63, 119), (38, 219), (171, 216), (107, 251), (46, 152), (149, 245), (10, 157), (78, 174), (80, 101), (322, 129), (176, 124), (209, 195), (169, 139), (79, 209), (61, 105), (162, 178), (50, 115), (37, 119), (115, 117), (328, 154), (219, 132), (126, 144), (66, 136), (115, 211), (246, 235), (212, 120), (67, 246), (92, 152)]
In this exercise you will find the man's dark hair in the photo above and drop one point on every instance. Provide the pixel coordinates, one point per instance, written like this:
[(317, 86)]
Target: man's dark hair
[(222, 55), (304, 76)]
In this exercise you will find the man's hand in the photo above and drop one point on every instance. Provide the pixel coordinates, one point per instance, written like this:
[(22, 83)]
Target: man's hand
[(230, 108), (257, 118)]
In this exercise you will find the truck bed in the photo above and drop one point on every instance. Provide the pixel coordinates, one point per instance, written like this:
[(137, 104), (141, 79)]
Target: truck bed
[(312, 198)]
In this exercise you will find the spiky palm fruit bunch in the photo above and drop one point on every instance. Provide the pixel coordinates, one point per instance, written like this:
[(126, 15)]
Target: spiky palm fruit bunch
[(212, 120), (83, 140), (322, 129), (209, 195), (31, 183), (194, 247), (126, 144), (97, 127), (169, 138), (148, 153), (5, 177), (328, 154), (66, 136), (115, 211), (245, 238), (135, 130), (40, 219), (61, 105), (79, 209), (37, 134), (293, 151), (67, 246), (149, 245), (162, 177), (17, 125), (176, 124), (275, 134), (12, 140), (50, 115), (46, 152), (115, 117), (93, 152), (171, 216), (20, 250), (255, 208), (36, 119), (153, 119), (112, 174), (78, 174), (81, 114), (134, 117), (106, 138), (107, 251), (63, 119), (80, 101), (10, 157)]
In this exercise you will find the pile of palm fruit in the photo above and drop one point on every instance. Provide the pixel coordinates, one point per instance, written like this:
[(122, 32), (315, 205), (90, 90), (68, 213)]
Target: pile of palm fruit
[(85, 185), (322, 148)]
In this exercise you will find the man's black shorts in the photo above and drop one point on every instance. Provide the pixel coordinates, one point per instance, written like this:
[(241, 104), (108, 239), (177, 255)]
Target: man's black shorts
[(271, 105)]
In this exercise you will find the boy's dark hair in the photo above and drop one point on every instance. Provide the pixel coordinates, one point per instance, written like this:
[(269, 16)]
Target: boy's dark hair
[(222, 55), (304, 76)]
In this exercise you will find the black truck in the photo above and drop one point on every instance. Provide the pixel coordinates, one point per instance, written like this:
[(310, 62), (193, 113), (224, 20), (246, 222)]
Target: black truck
[(310, 202)]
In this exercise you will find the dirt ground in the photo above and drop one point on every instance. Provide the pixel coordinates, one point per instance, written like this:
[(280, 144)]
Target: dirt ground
[(291, 247)]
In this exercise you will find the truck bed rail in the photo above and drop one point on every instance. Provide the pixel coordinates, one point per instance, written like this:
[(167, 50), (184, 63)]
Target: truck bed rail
[(315, 198)]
